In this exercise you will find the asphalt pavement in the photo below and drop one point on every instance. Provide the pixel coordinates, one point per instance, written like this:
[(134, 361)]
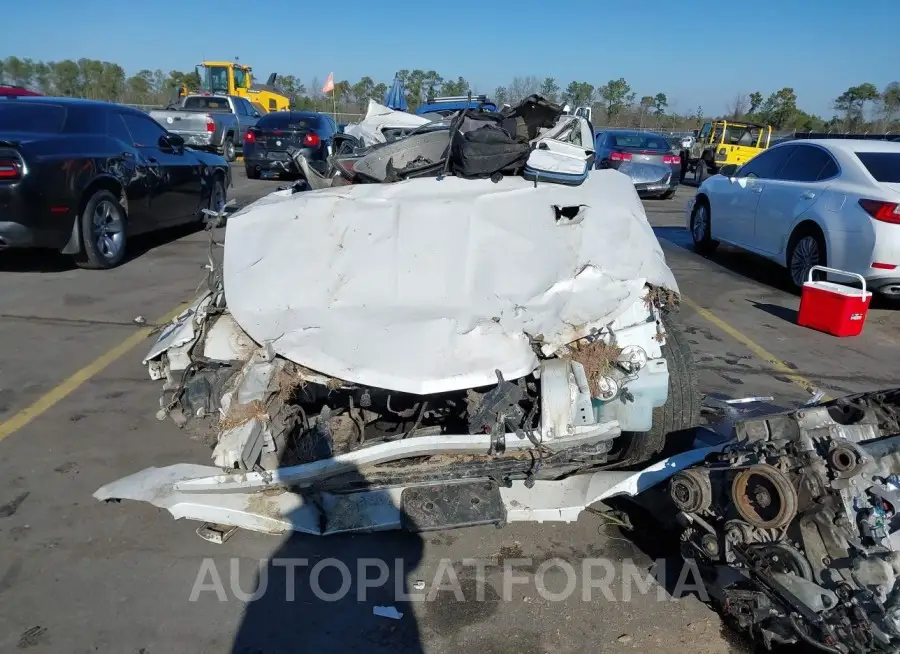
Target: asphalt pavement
[(77, 411)]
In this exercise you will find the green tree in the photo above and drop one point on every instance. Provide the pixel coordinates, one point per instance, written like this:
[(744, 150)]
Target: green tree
[(362, 91), (65, 78), (852, 103), (779, 108), (616, 95), (579, 94), (550, 89), (292, 88), (18, 72), (660, 104), (890, 103), (458, 87), (501, 95), (698, 116), (379, 91), (756, 100)]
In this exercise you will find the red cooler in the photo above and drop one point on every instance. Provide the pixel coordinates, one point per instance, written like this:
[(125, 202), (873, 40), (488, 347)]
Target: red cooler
[(833, 308)]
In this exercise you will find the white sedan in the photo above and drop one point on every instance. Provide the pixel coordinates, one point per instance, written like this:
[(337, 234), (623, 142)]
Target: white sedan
[(827, 202)]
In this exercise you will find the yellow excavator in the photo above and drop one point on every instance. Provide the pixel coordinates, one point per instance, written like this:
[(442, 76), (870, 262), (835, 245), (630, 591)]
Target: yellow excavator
[(231, 78)]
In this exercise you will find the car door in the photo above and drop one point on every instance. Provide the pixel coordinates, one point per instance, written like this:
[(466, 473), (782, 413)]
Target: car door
[(251, 118), (140, 183), (799, 185), (734, 205), (175, 173)]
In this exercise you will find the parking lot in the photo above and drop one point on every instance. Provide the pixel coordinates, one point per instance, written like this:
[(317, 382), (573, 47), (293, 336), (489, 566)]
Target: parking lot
[(77, 411)]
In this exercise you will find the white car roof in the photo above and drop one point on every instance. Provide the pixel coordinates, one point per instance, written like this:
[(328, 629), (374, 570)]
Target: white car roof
[(850, 146)]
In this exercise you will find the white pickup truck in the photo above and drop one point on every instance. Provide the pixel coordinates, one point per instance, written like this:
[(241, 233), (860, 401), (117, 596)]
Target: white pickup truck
[(210, 122)]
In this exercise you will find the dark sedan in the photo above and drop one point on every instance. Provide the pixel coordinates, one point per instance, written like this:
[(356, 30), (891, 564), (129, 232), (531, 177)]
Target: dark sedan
[(644, 156), (266, 144), (82, 177)]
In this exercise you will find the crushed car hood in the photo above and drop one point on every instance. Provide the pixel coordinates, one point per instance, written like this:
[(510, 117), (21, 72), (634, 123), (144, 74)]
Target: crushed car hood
[(379, 117), (432, 285)]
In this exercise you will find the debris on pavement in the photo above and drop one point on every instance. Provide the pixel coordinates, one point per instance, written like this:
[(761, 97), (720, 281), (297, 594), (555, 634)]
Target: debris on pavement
[(387, 612)]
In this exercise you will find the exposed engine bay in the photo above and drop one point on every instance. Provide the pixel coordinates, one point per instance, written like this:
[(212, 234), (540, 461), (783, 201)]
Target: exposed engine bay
[(796, 523)]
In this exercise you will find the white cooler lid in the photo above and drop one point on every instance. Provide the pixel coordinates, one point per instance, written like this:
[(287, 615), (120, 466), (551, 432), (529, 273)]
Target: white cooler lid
[(840, 289)]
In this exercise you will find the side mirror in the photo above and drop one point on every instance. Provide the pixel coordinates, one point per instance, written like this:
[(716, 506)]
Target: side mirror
[(256, 114), (728, 170), (171, 142)]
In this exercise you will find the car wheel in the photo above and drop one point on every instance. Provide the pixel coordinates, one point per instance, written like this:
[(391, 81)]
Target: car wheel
[(700, 172), (228, 149), (701, 227), (684, 168), (806, 249), (103, 239), (680, 413), (217, 200), (252, 173)]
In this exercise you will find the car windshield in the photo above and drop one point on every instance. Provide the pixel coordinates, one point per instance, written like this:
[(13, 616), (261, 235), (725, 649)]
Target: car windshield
[(296, 122), (19, 116), (641, 141), (883, 166), (205, 102)]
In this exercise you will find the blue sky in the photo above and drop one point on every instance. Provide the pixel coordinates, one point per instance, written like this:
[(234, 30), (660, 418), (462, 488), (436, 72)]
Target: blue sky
[(818, 47)]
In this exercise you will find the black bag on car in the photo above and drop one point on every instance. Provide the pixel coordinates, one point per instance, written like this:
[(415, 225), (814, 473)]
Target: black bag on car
[(487, 151)]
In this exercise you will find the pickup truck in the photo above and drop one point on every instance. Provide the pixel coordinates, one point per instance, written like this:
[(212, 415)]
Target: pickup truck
[(210, 122)]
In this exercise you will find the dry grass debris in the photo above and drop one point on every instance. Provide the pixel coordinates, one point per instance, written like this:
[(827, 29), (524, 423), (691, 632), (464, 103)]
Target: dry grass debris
[(597, 358), (238, 414), (662, 298)]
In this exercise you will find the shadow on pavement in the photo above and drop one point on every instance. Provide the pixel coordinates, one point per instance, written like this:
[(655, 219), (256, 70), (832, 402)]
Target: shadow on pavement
[(318, 593), (741, 263), (325, 603), (784, 313), (51, 261)]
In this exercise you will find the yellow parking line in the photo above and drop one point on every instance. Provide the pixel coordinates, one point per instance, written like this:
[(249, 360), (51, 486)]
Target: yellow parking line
[(762, 353), (70, 385)]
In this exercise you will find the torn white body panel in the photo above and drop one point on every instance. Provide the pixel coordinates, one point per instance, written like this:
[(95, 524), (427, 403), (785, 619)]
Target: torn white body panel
[(370, 130), (426, 286), (196, 492)]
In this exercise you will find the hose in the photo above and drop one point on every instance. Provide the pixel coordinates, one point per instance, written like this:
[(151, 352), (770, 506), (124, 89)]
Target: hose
[(809, 641)]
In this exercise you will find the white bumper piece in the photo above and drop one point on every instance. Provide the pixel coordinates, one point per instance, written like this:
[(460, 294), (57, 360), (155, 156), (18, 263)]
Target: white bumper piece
[(202, 493)]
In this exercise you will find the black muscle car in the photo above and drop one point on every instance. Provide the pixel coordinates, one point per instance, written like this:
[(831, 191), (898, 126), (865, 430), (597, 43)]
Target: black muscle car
[(82, 177)]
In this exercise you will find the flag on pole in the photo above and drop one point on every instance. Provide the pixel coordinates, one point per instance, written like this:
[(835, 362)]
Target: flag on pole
[(329, 84)]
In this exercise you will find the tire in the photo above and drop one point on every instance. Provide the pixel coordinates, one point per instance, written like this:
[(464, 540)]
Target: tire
[(684, 167), (701, 172), (806, 249), (701, 227), (228, 150), (681, 411), (252, 173), (216, 202), (103, 232)]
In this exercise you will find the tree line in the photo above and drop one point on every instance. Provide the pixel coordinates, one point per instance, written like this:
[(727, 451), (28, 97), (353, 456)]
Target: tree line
[(860, 108)]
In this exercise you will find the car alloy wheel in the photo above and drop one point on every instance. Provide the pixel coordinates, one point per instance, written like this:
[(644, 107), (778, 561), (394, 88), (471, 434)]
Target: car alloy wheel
[(806, 254), (107, 230), (217, 199), (228, 150), (700, 223)]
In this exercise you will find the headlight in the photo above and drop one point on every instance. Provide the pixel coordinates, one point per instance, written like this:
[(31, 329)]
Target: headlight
[(632, 358)]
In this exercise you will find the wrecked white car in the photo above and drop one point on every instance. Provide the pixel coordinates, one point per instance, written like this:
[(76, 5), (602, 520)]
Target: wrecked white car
[(431, 353)]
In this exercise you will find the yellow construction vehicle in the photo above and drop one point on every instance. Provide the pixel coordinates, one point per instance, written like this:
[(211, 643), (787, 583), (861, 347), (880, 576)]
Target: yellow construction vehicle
[(231, 78)]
